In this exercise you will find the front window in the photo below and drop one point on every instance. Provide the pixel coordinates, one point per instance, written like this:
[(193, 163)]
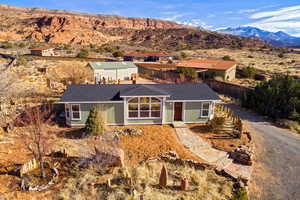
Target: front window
[(75, 111), (144, 107), (205, 109)]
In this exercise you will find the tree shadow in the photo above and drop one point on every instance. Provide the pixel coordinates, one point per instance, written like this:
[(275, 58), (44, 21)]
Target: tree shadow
[(73, 133)]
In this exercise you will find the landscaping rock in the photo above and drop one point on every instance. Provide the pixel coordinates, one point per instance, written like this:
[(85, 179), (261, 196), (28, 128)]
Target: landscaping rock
[(163, 178), (129, 131), (242, 155), (184, 184), (107, 157)]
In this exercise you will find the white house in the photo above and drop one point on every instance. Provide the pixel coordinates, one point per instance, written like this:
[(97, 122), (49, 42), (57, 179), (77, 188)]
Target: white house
[(113, 70)]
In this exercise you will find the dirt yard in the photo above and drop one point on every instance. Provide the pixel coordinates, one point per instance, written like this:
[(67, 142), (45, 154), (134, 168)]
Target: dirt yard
[(154, 140), (219, 141)]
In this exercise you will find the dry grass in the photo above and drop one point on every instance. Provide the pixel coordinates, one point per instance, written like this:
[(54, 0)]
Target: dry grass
[(269, 62), (219, 141), (155, 139), (205, 185)]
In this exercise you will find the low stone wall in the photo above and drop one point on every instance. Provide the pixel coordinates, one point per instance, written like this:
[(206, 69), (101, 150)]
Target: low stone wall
[(173, 158)]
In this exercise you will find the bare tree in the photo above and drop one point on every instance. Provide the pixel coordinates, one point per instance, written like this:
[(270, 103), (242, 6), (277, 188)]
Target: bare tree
[(10, 85), (38, 140), (72, 74)]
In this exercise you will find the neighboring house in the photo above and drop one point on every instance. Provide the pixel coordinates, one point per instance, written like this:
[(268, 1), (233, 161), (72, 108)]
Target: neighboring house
[(147, 57), (113, 70), (43, 51), (211, 68), (140, 103)]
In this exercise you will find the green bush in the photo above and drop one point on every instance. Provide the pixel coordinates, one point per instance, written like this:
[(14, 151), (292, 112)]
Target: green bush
[(94, 124), (227, 58), (278, 98), (187, 71), (22, 45), (83, 53), (22, 61), (183, 55), (241, 195), (249, 72), (7, 45), (118, 54)]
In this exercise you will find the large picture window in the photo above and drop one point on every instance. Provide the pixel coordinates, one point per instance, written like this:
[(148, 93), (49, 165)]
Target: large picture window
[(205, 109), (75, 112), (144, 107)]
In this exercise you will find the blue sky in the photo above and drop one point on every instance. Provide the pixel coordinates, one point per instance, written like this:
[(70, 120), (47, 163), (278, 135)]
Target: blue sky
[(272, 15)]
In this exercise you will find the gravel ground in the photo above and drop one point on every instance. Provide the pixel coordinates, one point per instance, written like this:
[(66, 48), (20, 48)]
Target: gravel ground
[(280, 158)]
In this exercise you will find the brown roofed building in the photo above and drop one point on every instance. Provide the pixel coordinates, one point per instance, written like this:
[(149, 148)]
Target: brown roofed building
[(43, 51), (212, 68), (147, 56)]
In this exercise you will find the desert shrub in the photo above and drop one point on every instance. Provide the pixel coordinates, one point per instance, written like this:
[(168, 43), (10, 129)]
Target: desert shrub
[(22, 61), (183, 55), (281, 55), (249, 72), (227, 58), (7, 45), (278, 98), (94, 124), (241, 195), (83, 53), (190, 72), (216, 123), (290, 124), (118, 53), (22, 45)]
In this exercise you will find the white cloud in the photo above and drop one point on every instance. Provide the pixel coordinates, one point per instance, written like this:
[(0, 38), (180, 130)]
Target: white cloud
[(211, 15), (196, 23), (282, 11), (248, 11), (284, 19)]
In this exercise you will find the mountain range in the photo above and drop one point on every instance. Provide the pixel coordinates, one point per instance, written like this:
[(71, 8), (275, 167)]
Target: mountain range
[(274, 38), (66, 27)]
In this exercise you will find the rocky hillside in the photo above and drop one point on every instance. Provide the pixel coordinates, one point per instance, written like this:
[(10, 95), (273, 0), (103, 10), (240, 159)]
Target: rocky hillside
[(65, 27)]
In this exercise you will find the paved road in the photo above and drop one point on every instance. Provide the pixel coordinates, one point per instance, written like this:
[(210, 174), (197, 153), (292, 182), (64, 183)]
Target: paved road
[(280, 158)]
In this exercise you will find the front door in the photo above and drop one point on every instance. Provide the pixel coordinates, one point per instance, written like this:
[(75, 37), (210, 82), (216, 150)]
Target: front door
[(178, 111)]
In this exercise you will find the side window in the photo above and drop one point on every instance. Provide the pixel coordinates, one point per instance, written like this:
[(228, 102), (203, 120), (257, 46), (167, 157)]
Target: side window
[(75, 109), (205, 109)]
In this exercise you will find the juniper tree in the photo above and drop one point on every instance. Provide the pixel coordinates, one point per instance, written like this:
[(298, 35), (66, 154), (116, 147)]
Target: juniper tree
[(94, 124)]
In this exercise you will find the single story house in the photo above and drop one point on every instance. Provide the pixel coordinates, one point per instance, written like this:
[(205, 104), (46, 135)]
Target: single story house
[(43, 51), (113, 70), (126, 104), (211, 68), (147, 57)]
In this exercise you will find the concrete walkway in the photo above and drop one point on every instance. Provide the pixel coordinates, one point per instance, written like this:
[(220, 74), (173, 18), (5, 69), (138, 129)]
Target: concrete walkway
[(212, 156)]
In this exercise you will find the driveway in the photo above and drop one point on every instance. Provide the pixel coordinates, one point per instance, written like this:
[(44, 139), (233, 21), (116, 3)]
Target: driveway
[(277, 168)]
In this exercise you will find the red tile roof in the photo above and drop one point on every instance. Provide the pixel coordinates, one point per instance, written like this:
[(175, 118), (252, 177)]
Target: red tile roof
[(42, 48), (207, 64), (147, 54)]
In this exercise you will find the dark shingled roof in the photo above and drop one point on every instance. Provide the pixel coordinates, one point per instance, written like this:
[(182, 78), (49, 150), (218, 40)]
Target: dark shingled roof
[(94, 93)]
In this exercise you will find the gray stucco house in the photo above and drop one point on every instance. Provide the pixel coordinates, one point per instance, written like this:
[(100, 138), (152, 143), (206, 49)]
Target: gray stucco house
[(140, 103)]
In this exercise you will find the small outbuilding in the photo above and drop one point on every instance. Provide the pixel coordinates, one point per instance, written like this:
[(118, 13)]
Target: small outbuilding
[(113, 70), (211, 68), (43, 51)]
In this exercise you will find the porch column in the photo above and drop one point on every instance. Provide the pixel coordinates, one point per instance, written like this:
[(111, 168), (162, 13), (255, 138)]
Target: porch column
[(125, 111), (163, 121)]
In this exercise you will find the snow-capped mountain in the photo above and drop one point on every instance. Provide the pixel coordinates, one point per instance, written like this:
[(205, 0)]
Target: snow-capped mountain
[(275, 38)]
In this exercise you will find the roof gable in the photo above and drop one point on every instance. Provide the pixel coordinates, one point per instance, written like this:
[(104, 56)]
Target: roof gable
[(143, 90)]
